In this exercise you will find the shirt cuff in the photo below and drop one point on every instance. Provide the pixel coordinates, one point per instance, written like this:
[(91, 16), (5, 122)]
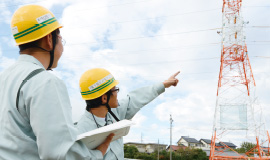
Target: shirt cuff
[(160, 88)]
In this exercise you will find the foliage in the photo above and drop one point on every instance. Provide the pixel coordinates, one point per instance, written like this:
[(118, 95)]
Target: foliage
[(144, 156), (181, 154), (192, 154), (245, 147), (130, 151)]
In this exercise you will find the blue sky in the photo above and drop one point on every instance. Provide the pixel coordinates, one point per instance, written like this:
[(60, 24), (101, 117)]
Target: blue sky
[(144, 42)]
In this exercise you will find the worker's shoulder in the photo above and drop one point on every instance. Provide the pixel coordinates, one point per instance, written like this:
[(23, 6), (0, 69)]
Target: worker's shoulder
[(46, 76), (44, 80)]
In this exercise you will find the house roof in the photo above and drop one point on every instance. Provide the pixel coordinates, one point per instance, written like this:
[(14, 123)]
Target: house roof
[(135, 143), (228, 144), (208, 141), (191, 140), (226, 153), (217, 144), (175, 148), (156, 144)]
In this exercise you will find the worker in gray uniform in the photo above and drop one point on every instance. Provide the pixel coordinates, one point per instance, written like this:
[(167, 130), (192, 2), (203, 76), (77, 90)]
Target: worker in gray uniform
[(35, 111), (98, 88)]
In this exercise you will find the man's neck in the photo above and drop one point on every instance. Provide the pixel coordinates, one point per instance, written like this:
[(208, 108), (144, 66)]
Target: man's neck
[(42, 57), (100, 111)]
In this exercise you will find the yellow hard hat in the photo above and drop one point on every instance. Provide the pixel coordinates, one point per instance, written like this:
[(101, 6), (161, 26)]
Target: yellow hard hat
[(32, 22), (96, 82)]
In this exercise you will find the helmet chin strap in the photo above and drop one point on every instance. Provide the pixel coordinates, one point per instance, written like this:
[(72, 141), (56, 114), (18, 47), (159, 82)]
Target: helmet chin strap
[(54, 36), (109, 108), (88, 107), (51, 57)]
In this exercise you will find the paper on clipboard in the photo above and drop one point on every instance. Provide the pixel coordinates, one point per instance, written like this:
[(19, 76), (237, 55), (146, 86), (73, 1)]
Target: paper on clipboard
[(94, 138)]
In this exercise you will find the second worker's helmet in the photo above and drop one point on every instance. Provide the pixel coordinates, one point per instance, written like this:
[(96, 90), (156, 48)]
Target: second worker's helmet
[(96, 82)]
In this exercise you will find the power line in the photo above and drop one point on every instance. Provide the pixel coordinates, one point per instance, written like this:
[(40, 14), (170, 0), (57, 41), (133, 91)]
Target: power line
[(113, 5), (148, 50), (259, 27), (129, 21), (80, 10), (108, 6), (160, 35), (158, 17), (266, 57), (76, 27), (256, 6), (136, 52), (141, 37), (19, 4), (165, 62), (175, 61)]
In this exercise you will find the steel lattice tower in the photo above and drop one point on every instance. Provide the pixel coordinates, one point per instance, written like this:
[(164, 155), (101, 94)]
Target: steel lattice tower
[(237, 110)]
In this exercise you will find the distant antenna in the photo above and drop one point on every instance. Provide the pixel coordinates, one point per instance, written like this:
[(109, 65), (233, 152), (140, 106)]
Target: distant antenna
[(141, 138), (171, 120), (158, 149)]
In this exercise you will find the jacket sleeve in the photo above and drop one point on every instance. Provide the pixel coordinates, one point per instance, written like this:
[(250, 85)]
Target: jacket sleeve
[(51, 121), (138, 98)]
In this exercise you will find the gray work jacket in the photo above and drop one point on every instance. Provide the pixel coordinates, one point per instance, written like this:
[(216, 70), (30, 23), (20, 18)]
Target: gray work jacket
[(43, 127), (127, 108)]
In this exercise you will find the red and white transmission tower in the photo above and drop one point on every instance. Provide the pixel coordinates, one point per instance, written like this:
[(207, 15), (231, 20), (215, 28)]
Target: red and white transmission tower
[(237, 113)]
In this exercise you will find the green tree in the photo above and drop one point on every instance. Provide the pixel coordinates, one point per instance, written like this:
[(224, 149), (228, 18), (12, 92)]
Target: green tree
[(130, 151), (245, 147), (199, 154), (191, 154), (181, 154), (144, 156)]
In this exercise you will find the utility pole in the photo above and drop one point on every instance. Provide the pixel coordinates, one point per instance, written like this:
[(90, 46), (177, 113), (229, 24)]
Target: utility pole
[(171, 120), (158, 150), (141, 138)]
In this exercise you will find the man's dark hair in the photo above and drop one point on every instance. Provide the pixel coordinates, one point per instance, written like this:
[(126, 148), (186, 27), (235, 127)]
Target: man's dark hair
[(35, 43), (94, 103)]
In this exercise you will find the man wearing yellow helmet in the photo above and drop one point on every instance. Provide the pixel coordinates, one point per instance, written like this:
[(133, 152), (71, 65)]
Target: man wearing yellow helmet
[(98, 89), (38, 123)]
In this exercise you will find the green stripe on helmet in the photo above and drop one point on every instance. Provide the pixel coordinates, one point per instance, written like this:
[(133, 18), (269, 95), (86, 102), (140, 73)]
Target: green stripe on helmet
[(34, 28), (98, 88)]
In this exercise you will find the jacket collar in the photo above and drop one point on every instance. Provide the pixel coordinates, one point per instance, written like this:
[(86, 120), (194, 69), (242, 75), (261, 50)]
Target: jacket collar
[(29, 58), (101, 123)]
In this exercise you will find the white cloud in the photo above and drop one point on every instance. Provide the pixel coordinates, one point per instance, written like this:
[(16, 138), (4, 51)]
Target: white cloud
[(5, 14), (115, 38), (184, 110), (139, 119)]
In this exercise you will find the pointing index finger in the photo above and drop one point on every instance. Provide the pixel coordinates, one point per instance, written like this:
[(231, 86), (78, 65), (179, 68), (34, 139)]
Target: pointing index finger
[(175, 74)]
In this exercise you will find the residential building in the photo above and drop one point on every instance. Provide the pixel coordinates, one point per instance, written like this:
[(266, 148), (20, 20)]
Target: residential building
[(174, 147), (204, 144), (189, 142), (229, 144)]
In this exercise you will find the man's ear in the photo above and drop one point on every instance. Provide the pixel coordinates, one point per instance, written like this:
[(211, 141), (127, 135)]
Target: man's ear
[(48, 40), (104, 98)]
